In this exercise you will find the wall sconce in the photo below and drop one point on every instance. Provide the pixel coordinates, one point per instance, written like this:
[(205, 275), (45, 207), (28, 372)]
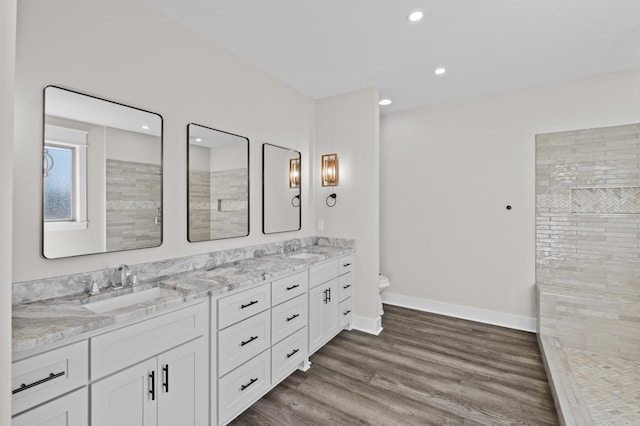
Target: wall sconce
[(330, 170), (330, 176), (294, 173)]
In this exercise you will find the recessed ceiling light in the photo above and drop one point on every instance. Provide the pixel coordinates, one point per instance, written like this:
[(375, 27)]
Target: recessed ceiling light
[(384, 102), (440, 71), (145, 127), (416, 16), (198, 140)]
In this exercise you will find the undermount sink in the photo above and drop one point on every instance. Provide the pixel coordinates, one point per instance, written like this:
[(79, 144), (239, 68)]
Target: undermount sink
[(129, 299), (305, 256)]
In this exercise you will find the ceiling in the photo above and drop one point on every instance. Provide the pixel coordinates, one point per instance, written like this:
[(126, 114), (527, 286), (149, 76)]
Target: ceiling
[(327, 47)]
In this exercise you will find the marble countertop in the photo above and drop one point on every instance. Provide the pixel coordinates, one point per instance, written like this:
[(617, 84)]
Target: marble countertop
[(53, 320)]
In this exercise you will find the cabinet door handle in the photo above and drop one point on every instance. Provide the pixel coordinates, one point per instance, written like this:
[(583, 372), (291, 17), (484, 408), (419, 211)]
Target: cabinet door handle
[(253, 302), (346, 286), (246, 342), (346, 264), (292, 317), (325, 296), (293, 286), (329, 290), (165, 382), (295, 351), (24, 387), (346, 312), (252, 381), (152, 385)]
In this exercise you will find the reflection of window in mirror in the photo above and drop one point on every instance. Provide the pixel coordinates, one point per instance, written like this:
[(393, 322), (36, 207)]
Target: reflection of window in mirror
[(65, 178)]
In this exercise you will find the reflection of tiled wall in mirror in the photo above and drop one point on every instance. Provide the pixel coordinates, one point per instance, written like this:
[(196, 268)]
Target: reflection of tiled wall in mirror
[(133, 199), (229, 198), (218, 204), (199, 205)]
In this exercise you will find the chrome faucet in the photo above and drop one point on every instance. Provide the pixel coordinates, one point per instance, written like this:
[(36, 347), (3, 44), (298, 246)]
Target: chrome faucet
[(292, 245), (120, 277)]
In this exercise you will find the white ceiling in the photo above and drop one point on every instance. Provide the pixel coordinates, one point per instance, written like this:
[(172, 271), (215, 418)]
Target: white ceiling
[(328, 47)]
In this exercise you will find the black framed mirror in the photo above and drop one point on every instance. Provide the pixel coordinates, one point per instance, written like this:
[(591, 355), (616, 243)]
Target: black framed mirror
[(102, 175), (217, 184), (281, 194)]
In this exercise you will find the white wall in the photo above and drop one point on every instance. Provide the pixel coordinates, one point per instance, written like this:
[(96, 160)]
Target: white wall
[(7, 63), (124, 51), (447, 173), (349, 126)]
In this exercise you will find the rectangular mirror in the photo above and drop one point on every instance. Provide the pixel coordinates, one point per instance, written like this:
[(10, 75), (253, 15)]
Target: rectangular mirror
[(281, 211), (102, 176), (218, 184)]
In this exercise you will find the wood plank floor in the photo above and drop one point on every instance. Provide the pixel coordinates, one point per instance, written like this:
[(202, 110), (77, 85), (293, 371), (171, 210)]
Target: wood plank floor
[(423, 369)]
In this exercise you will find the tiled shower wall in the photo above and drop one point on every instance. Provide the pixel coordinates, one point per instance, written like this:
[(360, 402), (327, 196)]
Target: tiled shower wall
[(588, 237), (133, 198), (199, 205), (218, 204)]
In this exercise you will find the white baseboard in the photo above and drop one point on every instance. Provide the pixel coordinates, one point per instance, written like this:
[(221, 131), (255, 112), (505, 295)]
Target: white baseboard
[(503, 319), (367, 325)]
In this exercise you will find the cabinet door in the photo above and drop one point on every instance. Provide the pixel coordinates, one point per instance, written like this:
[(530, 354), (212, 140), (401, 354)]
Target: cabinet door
[(182, 385), (323, 314), (69, 410), (316, 308), (331, 319), (129, 397)]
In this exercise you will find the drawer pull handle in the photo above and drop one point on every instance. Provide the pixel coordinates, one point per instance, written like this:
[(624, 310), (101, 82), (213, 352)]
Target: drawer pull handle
[(253, 302), (346, 264), (346, 286), (152, 386), (24, 387), (246, 342), (295, 351), (165, 383), (293, 286), (252, 381), (346, 312), (292, 317)]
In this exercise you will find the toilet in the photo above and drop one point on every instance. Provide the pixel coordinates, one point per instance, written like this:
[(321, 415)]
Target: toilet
[(383, 283)]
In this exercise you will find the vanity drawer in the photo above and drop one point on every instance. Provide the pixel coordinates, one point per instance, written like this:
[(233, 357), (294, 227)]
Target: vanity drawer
[(243, 386), (242, 341), (288, 288), (345, 288), (322, 273), (123, 347), (288, 317), (233, 309), (345, 309), (287, 355), (346, 264), (72, 409), (43, 377)]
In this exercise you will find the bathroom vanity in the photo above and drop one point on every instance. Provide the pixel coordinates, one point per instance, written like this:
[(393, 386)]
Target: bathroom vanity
[(200, 349)]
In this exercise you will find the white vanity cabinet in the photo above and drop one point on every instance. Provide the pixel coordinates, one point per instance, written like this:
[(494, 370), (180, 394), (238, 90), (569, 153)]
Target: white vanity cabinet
[(330, 300), (165, 390), (167, 383), (260, 338)]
